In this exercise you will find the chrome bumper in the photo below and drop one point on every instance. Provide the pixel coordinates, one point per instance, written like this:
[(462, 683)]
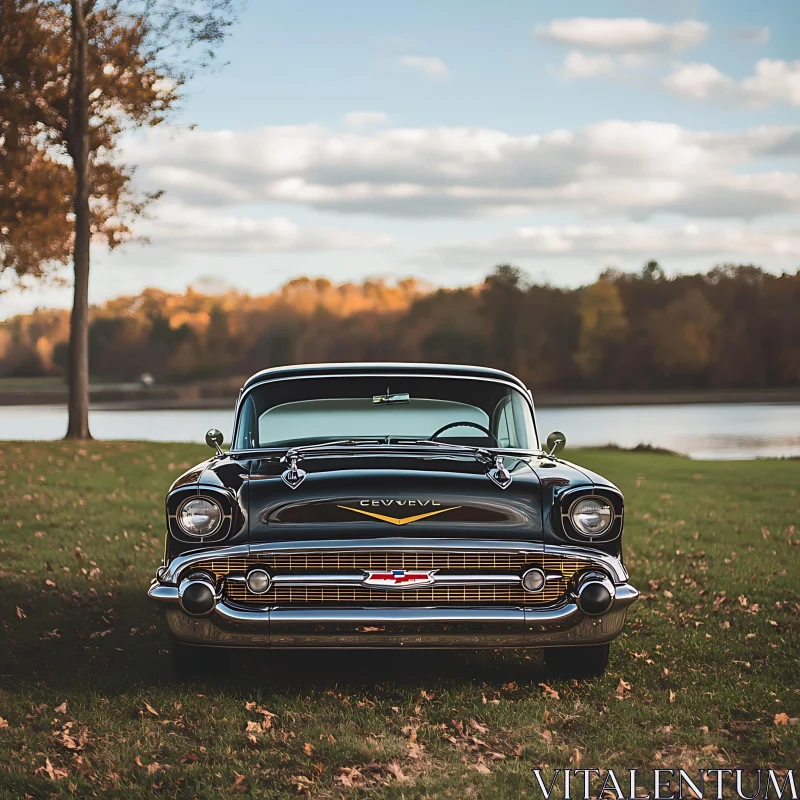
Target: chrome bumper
[(230, 625)]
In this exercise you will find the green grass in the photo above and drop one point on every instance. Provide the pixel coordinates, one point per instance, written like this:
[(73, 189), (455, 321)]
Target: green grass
[(710, 654)]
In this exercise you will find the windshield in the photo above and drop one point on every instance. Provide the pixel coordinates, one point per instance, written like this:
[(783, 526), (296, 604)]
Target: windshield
[(318, 410)]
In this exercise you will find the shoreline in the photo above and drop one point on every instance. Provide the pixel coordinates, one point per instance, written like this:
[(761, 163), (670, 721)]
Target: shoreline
[(192, 397)]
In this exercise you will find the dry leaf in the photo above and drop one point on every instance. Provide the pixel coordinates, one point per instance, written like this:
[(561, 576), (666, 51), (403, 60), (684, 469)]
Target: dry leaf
[(393, 767), (671, 696), (3, 723), (478, 727), (54, 773), (483, 769), (781, 719), (62, 709), (150, 709), (308, 749), (623, 687), (550, 692), (21, 614), (239, 784)]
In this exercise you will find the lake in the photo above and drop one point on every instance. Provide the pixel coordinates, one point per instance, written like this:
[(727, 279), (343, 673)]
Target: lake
[(702, 431)]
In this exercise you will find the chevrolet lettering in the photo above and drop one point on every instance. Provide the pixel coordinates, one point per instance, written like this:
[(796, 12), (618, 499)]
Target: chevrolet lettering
[(392, 506)]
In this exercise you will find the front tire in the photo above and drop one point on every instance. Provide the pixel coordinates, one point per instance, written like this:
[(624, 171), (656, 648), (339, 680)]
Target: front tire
[(193, 661), (587, 661)]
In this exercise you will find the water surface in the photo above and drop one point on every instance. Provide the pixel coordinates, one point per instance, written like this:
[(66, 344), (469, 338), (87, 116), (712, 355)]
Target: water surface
[(703, 431)]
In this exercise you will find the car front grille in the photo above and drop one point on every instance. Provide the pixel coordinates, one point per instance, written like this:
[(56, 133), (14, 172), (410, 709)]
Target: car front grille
[(330, 562)]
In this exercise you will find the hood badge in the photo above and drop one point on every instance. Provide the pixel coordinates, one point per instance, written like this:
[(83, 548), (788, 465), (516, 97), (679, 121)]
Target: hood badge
[(293, 476), (399, 579), (399, 520), (499, 474)]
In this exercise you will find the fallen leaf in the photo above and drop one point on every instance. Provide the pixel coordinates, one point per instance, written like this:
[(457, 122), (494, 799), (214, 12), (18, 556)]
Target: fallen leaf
[(478, 727), (483, 769), (3, 723), (62, 709), (393, 767), (623, 687), (550, 692), (308, 749), (781, 719), (239, 784), (54, 773), (150, 709), (21, 614), (671, 696)]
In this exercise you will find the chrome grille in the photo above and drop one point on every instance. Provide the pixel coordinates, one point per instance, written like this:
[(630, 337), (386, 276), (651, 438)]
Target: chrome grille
[(331, 561)]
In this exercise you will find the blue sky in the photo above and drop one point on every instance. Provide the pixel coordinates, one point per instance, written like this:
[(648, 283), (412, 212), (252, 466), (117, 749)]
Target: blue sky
[(435, 139)]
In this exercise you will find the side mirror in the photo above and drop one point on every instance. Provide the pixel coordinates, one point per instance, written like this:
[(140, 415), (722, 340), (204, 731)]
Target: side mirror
[(556, 442), (214, 439)]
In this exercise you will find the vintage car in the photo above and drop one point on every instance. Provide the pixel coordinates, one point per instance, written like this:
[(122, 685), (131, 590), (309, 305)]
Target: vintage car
[(392, 506)]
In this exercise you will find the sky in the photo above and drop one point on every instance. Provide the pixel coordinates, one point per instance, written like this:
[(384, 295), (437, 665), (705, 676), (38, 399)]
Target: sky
[(436, 139)]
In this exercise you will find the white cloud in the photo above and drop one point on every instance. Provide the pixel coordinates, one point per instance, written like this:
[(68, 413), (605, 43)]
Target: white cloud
[(580, 65), (631, 243), (774, 81), (623, 35), (752, 34), (430, 65), (632, 168), (699, 81), (363, 119), (193, 230)]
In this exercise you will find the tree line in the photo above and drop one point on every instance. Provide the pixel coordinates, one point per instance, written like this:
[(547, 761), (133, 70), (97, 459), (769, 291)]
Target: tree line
[(732, 327)]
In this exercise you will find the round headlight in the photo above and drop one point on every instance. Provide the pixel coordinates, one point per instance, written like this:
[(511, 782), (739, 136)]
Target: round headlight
[(200, 516), (592, 516)]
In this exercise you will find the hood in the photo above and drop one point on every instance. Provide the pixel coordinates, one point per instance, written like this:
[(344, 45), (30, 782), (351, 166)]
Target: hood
[(361, 497)]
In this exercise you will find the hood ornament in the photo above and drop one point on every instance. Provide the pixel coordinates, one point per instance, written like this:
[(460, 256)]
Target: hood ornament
[(293, 476), (499, 474)]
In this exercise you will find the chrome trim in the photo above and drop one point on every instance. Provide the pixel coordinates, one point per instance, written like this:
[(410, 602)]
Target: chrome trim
[(603, 580), (608, 562), (499, 474), (192, 580), (360, 578), (264, 572), (402, 627), (528, 572), (571, 531), (293, 476)]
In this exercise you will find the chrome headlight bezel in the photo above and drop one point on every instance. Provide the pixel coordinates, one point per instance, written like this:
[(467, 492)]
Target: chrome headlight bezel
[(205, 534), (574, 510), (565, 502)]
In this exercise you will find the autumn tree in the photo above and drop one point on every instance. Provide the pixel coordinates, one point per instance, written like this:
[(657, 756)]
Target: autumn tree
[(75, 75)]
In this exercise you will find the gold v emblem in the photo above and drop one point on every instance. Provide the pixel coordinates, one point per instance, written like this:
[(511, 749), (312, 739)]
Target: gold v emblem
[(401, 520)]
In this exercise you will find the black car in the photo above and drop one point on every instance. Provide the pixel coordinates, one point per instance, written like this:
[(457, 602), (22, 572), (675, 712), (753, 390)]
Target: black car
[(392, 506)]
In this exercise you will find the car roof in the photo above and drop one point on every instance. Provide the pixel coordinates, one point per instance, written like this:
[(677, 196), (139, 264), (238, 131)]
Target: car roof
[(381, 368)]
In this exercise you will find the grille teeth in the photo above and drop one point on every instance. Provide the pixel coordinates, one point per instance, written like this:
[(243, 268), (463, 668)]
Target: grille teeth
[(331, 561)]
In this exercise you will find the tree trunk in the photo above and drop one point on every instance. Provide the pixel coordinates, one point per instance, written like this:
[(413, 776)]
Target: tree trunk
[(78, 147)]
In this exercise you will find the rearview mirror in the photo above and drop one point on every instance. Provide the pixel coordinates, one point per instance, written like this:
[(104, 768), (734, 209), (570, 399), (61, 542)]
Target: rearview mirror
[(556, 442), (214, 439)]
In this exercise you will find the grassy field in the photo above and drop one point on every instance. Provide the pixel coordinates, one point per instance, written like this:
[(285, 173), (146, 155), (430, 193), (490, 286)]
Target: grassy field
[(706, 674)]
